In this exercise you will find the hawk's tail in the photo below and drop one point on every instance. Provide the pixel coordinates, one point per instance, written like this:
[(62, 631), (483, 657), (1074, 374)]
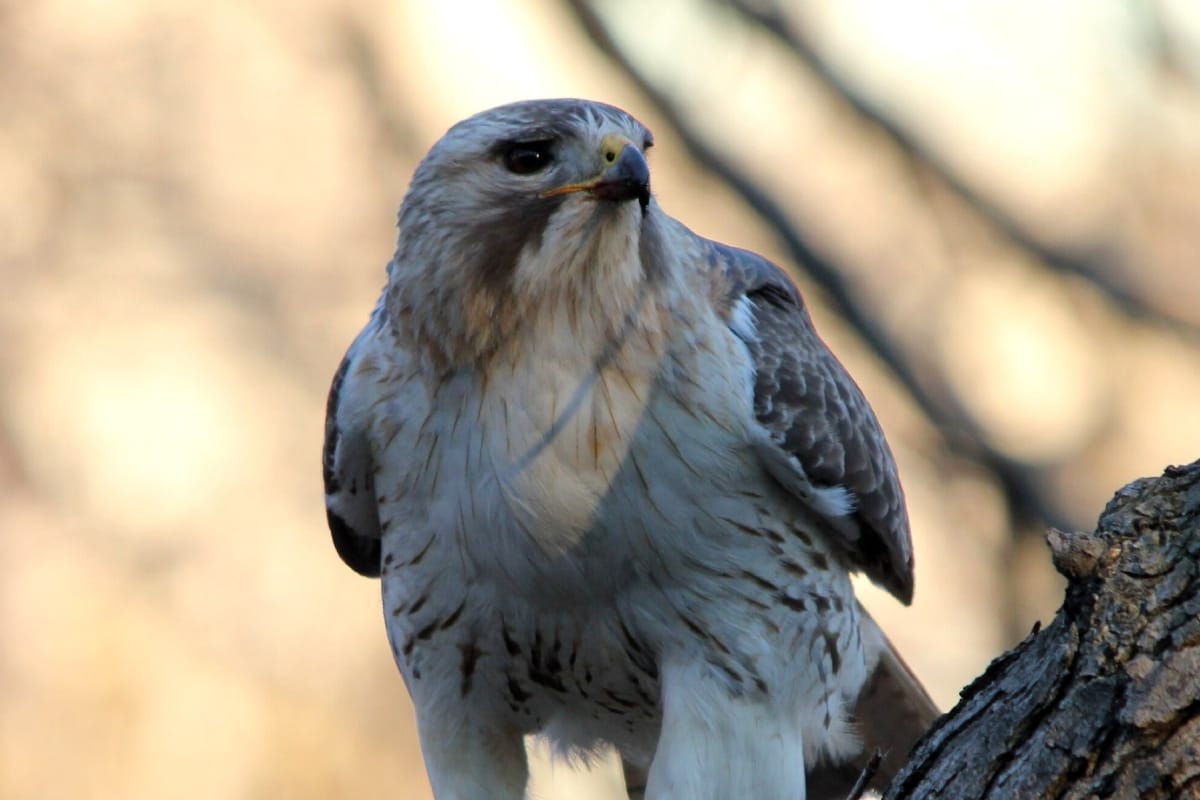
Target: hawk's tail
[(893, 711)]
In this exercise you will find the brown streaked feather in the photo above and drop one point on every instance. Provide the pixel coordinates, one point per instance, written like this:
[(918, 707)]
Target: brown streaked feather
[(892, 712), (814, 412)]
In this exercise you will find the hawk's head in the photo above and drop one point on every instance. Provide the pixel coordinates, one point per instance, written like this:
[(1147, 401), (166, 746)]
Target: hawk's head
[(534, 208)]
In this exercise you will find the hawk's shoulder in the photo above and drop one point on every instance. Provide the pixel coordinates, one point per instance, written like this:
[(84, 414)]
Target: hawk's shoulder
[(822, 440)]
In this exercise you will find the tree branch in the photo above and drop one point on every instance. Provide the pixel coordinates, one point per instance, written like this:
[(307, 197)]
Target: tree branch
[(1105, 701)]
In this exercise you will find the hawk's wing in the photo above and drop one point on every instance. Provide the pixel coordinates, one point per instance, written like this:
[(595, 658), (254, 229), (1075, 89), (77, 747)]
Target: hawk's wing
[(823, 442), (350, 503)]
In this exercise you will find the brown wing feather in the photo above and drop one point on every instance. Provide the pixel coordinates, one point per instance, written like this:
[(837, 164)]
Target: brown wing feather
[(817, 417)]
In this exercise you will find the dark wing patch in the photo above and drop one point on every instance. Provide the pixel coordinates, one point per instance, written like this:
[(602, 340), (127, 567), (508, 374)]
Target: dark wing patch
[(824, 433), (349, 485)]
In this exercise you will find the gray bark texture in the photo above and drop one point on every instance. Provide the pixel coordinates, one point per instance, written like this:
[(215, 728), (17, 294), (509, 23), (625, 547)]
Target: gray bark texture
[(1105, 701)]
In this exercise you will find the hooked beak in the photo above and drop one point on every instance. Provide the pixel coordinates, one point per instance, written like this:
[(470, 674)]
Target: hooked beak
[(626, 177)]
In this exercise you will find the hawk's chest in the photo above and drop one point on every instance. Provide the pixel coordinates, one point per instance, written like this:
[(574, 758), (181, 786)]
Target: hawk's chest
[(580, 432), (555, 465)]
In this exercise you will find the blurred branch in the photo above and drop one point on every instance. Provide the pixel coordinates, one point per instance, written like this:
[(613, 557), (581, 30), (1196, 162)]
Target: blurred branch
[(1168, 46), (370, 78), (1096, 265), (1026, 501)]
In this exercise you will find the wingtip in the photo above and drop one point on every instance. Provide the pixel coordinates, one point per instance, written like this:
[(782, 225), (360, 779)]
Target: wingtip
[(895, 575), (363, 554), (904, 584), (903, 590)]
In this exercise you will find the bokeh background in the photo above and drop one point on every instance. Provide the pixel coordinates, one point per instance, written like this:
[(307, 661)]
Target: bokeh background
[(992, 207)]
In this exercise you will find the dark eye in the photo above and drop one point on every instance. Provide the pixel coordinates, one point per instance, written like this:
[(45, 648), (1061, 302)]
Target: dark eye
[(527, 158)]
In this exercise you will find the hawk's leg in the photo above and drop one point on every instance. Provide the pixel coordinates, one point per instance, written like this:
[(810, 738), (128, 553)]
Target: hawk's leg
[(721, 740), (466, 762)]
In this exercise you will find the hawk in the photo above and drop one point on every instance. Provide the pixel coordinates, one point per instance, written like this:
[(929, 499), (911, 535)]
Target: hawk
[(614, 483)]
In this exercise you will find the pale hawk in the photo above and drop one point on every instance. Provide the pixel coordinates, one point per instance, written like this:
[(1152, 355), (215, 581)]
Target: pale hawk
[(614, 483)]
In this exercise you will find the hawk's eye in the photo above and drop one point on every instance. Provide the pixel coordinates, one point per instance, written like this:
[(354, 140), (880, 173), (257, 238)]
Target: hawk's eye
[(526, 158)]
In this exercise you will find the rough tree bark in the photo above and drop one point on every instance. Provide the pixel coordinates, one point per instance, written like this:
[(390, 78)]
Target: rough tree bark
[(1105, 701)]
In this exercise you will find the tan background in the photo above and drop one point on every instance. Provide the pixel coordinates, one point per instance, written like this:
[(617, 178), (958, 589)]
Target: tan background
[(196, 206)]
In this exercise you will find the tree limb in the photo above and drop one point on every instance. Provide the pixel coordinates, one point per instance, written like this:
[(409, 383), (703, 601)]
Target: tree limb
[(1105, 701)]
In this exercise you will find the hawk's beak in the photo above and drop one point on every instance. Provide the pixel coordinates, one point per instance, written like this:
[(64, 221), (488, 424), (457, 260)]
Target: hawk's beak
[(626, 177)]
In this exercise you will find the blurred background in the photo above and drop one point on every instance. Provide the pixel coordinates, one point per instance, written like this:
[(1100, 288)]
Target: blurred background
[(992, 207)]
